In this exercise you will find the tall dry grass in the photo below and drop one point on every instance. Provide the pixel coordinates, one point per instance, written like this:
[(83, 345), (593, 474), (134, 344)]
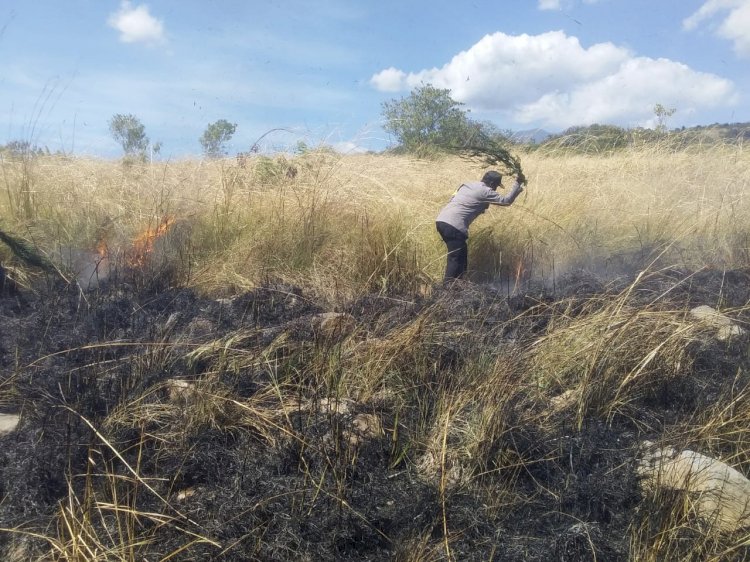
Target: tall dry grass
[(366, 222)]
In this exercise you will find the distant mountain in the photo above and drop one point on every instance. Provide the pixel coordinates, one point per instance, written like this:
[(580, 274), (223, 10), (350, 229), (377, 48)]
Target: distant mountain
[(530, 136)]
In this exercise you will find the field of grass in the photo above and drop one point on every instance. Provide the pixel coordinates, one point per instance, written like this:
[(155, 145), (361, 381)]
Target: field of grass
[(348, 224), (236, 362)]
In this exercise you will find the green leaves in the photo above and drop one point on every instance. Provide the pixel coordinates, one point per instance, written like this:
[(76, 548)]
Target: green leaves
[(491, 152), (427, 117), (130, 133), (429, 121), (215, 136)]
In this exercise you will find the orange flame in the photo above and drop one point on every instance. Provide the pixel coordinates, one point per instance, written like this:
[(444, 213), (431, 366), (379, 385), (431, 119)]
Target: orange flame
[(520, 270), (143, 244), (101, 248)]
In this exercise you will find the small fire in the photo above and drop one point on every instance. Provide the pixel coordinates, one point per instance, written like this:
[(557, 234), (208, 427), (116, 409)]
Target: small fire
[(102, 249), (520, 270), (143, 244)]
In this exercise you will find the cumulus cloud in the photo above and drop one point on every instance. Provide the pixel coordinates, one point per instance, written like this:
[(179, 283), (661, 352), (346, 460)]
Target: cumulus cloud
[(552, 80), (136, 24), (734, 25), (389, 80)]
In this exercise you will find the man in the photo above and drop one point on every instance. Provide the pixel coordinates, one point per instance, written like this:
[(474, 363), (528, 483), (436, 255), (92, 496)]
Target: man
[(470, 201)]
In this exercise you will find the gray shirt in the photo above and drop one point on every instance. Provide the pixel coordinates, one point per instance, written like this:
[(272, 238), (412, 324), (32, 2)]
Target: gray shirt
[(470, 201)]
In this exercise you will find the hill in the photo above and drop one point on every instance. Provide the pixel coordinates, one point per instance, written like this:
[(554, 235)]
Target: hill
[(598, 138)]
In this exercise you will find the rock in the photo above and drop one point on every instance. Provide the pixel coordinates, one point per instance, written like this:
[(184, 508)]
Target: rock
[(726, 328), (722, 494), (334, 405), (179, 390), (8, 422), (726, 333), (710, 316), (182, 495), (430, 469)]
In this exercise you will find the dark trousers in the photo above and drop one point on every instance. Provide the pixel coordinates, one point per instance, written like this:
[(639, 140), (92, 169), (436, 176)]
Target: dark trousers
[(458, 252)]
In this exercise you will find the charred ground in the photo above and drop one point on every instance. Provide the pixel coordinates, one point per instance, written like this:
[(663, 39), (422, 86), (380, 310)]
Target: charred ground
[(407, 428)]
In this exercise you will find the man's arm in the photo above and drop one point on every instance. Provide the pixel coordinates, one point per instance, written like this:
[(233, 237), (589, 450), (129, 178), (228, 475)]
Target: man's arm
[(514, 192)]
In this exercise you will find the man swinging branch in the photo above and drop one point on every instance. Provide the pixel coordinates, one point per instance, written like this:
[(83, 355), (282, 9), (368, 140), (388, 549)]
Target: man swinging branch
[(470, 201)]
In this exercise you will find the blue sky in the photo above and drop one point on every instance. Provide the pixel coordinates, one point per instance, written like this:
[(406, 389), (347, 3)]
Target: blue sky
[(322, 69)]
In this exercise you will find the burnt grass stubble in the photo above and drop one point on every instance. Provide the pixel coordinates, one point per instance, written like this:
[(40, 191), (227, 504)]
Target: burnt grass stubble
[(75, 356)]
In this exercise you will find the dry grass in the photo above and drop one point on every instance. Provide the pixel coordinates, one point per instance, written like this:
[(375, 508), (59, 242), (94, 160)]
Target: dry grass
[(364, 223)]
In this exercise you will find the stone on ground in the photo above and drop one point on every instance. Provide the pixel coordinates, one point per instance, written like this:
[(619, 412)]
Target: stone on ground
[(721, 493), (8, 423), (726, 329)]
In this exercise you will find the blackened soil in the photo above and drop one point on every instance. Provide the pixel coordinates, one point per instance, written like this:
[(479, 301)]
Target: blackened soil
[(294, 488)]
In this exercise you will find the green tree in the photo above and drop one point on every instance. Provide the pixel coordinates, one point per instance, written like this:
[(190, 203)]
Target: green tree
[(131, 134), (427, 118), (215, 136)]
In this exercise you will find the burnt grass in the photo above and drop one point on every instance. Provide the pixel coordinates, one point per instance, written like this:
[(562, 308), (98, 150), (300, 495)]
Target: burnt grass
[(294, 490)]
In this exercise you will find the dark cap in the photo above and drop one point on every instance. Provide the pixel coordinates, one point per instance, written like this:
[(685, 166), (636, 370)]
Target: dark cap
[(492, 179)]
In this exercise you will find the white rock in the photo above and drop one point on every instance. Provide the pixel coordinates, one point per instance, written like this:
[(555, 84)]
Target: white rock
[(182, 495), (726, 328), (430, 469), (710, 316), (730, 332), (721, 493), (180, 390), (334, 405), (8, 422)]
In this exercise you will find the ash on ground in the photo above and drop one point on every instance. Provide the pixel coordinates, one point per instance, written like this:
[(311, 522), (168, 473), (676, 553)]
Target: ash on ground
[(218, 427)]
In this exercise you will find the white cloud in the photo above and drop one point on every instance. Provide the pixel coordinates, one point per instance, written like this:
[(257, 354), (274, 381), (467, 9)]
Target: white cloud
[(735, 25), (389, 80), (136, 24), (348, 147), (552, 80), (560, 4), (549, 5), (629, 95), (707, 10)]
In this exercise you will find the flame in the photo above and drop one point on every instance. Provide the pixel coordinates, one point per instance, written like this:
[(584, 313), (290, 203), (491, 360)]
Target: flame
[(520, 270), (102, 249), (143, 244)]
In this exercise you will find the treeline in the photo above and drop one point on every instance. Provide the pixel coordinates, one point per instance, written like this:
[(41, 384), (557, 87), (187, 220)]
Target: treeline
[(599, 138), (429, 122), (19, 149)]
